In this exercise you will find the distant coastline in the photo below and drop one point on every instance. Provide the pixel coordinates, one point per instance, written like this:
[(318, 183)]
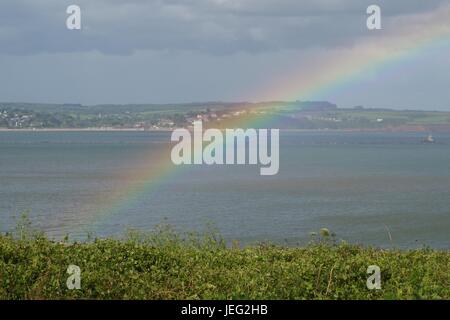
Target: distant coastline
[(393, 129), (84, 129), (315, 116)]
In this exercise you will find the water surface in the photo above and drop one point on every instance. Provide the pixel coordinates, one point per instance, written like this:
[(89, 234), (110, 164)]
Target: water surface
[(362, 186)]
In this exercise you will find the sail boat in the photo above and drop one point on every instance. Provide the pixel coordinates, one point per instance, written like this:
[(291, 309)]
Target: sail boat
[(429, 139)]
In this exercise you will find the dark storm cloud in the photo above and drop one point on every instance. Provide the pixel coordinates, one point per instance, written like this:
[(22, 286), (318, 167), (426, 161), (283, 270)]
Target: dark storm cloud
[(212, 26)]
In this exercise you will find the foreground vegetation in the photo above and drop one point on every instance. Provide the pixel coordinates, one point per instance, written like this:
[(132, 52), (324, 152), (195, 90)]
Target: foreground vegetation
[(166, 265)]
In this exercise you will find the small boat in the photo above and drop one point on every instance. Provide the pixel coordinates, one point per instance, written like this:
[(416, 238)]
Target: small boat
[(428, 139)]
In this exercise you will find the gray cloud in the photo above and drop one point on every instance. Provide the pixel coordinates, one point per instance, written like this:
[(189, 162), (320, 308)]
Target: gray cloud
[(144, 51), (122, 27)]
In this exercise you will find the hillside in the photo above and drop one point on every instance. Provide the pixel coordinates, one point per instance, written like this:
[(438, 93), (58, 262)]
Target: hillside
[(284, 115)]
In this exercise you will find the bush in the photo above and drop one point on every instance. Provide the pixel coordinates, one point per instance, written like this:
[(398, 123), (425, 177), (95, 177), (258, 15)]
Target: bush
[(167, 265)]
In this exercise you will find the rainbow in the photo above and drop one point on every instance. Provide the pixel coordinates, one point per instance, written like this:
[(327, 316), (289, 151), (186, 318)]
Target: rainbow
[(380, 49)]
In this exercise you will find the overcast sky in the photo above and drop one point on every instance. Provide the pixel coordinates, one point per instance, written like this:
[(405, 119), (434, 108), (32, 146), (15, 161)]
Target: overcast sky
[(162, 51)]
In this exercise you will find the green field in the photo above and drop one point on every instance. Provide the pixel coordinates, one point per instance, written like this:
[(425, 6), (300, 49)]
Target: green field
[(166, 265), (397, 117)]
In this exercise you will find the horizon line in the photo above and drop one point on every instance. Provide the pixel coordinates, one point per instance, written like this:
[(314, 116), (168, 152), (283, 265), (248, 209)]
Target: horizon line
[(193, 103)]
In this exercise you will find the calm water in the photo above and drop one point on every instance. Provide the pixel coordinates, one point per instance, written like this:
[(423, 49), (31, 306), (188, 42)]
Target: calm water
[(359, 185)]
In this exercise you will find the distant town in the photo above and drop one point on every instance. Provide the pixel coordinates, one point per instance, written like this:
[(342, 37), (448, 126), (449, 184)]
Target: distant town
[(284, 115)]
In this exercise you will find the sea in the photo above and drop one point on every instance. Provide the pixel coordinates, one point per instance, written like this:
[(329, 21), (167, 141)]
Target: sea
[(385, 189)]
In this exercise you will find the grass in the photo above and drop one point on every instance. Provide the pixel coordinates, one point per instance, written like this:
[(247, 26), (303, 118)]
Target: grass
[(166, 265)]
